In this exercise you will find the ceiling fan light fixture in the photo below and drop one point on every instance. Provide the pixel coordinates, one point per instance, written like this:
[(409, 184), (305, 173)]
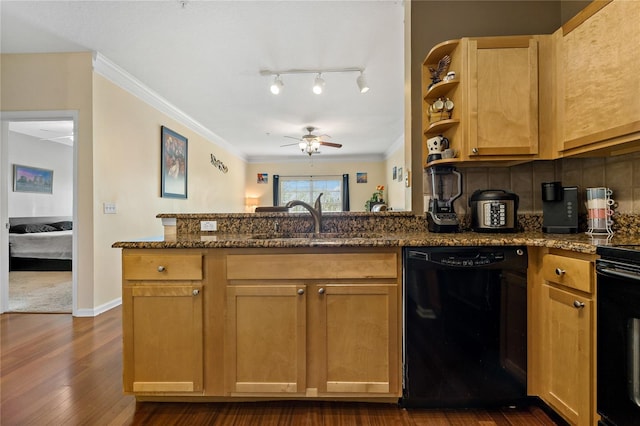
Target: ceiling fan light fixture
[(277, 85), (318, 85), (362, 83)]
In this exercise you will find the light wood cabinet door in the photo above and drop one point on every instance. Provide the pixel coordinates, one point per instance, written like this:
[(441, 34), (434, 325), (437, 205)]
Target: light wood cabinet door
[(359, 342), (502, 97), (598, 79), (162, 338), (265, 339), (568, 361)]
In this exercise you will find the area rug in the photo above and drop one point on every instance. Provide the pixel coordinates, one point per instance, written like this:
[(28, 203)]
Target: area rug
[(40, 291)]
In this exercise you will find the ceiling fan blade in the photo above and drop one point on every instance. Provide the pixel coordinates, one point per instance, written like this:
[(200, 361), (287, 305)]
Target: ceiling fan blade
[(289, 144), (291, 137), (331, 144)]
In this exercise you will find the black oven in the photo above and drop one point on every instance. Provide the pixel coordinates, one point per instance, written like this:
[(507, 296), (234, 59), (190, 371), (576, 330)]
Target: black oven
[(618, 365), (465, 322)]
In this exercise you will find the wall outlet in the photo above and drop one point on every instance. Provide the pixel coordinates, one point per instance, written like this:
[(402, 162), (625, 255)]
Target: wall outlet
[(109, 208), (208, 225)]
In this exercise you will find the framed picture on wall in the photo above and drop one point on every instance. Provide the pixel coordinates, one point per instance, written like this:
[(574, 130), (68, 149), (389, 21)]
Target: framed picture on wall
[(32, 179), (174, 164)]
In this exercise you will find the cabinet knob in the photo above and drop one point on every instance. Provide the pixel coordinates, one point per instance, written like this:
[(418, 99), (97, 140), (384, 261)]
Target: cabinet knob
[(195, 292), (300, 291), (161, 268), (321, 290), (560, 272), (578, 304), (474, 150)]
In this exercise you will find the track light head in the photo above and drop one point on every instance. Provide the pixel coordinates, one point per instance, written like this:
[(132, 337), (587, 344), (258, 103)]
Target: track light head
[(362, 83), (318, 84), (277, 85)]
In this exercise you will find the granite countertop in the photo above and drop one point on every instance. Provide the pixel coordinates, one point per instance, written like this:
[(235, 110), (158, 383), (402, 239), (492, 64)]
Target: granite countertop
[(575, 242)]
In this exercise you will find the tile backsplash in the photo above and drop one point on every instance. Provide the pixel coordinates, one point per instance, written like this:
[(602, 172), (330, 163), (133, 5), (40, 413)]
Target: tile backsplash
[(620, 173)]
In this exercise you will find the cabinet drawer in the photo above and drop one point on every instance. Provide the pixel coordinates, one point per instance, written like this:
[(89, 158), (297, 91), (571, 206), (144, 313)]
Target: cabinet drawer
[(312, 266), (162, 267), (567, 271)]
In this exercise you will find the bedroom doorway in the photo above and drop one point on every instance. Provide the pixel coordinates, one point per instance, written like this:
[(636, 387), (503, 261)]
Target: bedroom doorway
[(37, 205)]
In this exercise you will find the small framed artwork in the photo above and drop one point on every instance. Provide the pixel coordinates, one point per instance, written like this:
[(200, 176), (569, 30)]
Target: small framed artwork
[(174, 164), (32, 179), (400, 174), (361, 177), (263, 178), (395, 172)]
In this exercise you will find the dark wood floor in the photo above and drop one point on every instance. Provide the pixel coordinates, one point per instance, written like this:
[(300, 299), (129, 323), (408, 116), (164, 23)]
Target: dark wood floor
[(60, 370)]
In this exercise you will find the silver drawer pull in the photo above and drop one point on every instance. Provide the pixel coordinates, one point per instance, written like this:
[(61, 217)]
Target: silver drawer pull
[(300, 291), (578, 304), (195, 292), (321, 290), (161, 268), (560, 272)]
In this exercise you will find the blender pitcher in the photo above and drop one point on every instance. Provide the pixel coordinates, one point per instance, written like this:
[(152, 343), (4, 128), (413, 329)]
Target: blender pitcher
[(444, 187)]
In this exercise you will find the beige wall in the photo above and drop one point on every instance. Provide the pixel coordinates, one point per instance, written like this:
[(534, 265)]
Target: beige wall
[(118, 145), (127, 172), (359, 192), (41, 82), (395, 191)]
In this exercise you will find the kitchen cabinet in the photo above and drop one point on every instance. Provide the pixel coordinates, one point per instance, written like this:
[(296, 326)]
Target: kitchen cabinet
[(313, 323), (597, 66), (495, 96), (162, 322), (563, 323)]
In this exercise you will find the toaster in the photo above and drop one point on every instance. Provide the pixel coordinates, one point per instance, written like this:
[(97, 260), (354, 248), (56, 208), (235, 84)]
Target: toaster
[(494, 210)]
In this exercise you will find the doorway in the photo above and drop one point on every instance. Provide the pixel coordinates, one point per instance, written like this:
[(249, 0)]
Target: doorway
[(38, 153)]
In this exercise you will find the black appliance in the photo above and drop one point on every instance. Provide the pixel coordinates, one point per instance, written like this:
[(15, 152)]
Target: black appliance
[(445, 188), (494, 210), (618, 365), (559, 208), (465, 322)]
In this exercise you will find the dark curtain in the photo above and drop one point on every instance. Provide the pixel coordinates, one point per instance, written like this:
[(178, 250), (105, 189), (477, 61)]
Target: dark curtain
[(345, 192), (276, 189)]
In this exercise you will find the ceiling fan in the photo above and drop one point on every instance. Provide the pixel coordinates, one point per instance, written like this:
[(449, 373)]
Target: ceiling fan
[(311, 143)]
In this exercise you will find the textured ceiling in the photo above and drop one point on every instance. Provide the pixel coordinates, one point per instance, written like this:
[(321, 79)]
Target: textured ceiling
[(205, 59)]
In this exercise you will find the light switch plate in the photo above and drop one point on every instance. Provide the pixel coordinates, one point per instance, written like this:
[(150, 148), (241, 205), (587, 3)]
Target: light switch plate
[(109, 208), (208, 225)]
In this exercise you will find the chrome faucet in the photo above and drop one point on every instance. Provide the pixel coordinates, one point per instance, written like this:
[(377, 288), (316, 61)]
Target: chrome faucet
[(316, 212)]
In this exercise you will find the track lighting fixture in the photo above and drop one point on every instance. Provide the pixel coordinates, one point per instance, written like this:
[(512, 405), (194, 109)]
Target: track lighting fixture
[(362, 83), (277, 85), (318, 84)]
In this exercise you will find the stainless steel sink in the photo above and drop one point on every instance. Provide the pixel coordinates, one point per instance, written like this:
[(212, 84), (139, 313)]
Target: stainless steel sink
[(311, 235)]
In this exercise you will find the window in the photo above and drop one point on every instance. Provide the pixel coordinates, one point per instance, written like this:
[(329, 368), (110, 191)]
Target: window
[(307, 189)]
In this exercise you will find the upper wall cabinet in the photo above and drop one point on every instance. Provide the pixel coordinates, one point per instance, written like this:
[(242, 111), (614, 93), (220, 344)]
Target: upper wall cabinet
[(494, 98), (598, 79)]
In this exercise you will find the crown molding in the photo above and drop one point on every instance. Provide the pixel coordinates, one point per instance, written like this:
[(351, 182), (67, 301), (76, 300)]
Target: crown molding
[(369, 158), (112, 72), (399, 143)]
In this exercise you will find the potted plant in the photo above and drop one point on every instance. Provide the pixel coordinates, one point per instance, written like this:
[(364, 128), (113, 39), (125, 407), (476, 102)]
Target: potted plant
[(376, 198)]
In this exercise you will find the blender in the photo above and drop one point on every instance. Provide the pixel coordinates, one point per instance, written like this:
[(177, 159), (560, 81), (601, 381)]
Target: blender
[(445, 187)]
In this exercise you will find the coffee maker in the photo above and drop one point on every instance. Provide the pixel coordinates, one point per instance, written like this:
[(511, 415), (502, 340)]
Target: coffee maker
[(445, 186), (559, 208)]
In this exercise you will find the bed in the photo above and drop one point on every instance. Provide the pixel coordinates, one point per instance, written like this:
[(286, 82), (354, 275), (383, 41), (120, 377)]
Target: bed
[(40, 243)]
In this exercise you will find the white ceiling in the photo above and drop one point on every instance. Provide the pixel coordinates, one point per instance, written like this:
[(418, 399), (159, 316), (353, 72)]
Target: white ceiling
[(205, 59)]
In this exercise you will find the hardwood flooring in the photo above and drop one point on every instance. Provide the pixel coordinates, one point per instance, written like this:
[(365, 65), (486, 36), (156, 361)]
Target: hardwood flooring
[(60, 370)]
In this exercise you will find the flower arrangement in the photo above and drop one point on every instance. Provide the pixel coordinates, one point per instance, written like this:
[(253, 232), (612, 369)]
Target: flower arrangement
[(376, 197)]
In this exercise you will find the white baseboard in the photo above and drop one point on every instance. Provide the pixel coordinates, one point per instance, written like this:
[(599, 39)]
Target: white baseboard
[(98, 309)]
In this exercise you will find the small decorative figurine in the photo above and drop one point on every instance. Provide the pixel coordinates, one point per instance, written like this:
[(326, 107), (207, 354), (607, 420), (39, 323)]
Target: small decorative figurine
[(443, 65)]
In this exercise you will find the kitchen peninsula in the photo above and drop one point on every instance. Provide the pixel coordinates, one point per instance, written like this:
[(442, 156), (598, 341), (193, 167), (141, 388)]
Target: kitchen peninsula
[(263, 309)]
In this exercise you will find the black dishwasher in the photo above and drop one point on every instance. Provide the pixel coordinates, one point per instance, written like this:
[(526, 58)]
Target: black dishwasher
[(465, 326)]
